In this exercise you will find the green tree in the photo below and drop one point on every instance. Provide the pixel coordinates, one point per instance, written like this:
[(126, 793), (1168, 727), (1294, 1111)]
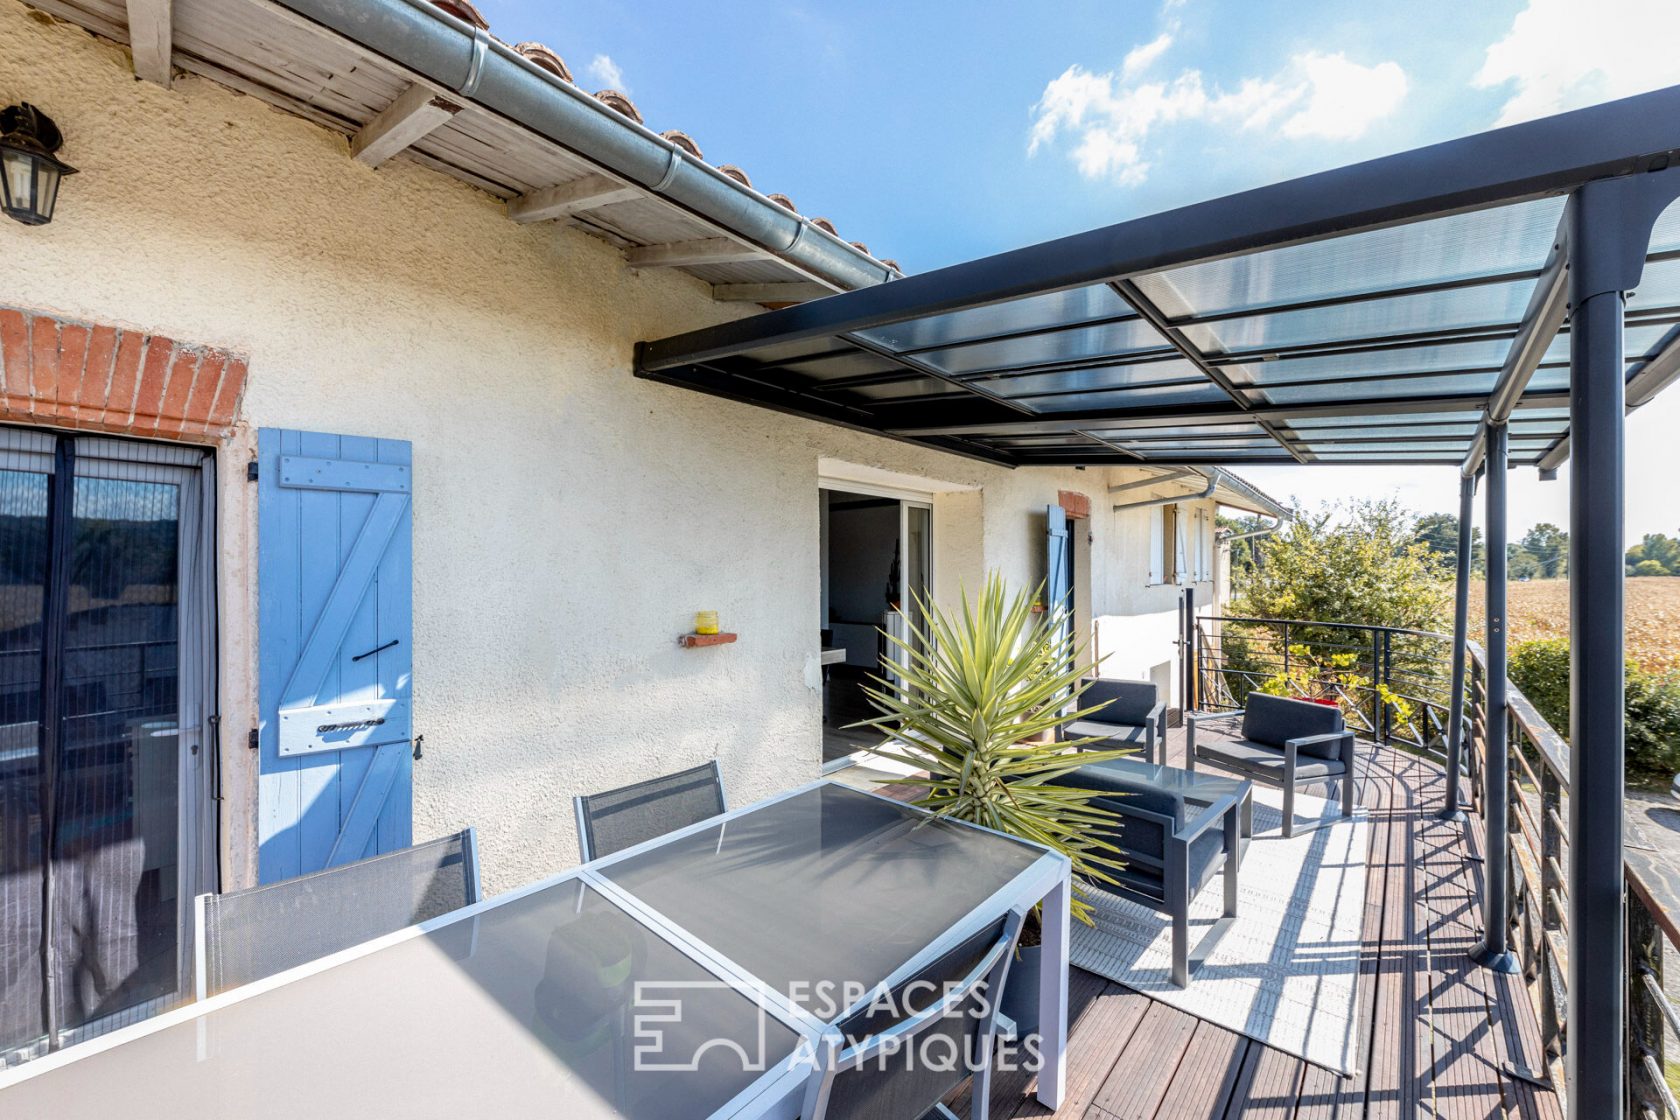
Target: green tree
[(1438, 532), (1523, 564), (1652, 737), (1361, 563), (1549, 546), (1659, 549), (1243, 555), (1649, 568)]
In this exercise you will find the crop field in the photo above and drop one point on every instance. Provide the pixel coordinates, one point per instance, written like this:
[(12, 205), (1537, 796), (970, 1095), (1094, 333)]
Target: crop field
[(1540, 609)]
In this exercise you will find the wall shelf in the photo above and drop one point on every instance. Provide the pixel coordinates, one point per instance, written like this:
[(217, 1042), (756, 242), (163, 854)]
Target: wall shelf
[(695, 641)]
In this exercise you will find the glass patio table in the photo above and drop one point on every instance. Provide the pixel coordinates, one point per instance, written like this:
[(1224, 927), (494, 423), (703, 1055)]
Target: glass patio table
[(680, 979)]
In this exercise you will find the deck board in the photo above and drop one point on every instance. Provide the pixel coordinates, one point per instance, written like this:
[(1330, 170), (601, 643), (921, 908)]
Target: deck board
[(1435, 1030)]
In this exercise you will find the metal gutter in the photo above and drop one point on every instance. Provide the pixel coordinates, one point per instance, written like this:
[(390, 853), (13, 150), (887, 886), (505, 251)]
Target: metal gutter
[(1214, 477), (459, 57)]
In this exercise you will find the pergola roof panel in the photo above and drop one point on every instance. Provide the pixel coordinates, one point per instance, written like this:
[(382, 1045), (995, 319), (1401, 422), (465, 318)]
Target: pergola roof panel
[(1381, 312)]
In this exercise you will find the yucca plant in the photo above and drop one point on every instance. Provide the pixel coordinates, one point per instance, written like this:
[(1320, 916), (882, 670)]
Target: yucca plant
[(977, 705)]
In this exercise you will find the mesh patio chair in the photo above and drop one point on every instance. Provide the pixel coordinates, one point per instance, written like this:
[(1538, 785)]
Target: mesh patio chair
[(622, 818), (878, 1063), (243, 936)]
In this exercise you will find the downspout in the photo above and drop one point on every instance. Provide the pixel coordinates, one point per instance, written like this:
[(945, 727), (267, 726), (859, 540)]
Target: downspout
[(456, 56), (1214, 478)]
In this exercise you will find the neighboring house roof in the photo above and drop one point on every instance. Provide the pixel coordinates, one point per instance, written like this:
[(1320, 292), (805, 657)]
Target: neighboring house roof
[(429, 82), (1229, 488)]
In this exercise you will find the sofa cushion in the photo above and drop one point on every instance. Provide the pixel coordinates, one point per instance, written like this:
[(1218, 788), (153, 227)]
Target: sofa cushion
[(1274, 720), (1265, 760), (1113, 732), (1126, 701), (1148, 880), (1131, 833)]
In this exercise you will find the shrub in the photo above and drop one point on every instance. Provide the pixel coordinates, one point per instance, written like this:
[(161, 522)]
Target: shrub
[(1541, 670), (1649, 568)]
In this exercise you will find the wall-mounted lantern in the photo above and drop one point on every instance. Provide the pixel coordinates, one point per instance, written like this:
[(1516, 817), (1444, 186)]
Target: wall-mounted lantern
[(29, 172)]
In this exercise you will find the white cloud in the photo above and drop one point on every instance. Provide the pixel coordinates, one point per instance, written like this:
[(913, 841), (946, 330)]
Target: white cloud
[(1139, 59), (1559, 55), (604, 70), (1111, 115)]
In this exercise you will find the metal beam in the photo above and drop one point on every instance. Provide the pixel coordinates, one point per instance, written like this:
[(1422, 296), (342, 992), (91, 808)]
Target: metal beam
[(1647, 381), (1548, 307), (1597, 977), (1523, 161), (678, 254), (794, 291), (1450, 811), (950, 420), (416, 112), (1175, 337), (151, 38), (1495, 951), (574, 197)]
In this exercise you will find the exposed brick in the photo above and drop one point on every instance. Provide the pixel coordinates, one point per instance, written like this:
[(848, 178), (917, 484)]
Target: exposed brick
[(125, 375), (72, 360), (43, 373), (1078, 505), (154, 379), (96, 375), (14, 353), (83, 375), (196, 417), (172, 411), (227, 397)]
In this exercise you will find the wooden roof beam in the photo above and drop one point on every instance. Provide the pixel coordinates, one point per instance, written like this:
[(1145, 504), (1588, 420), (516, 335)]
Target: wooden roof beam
[(565, 199), (415, 113), (681, 254), (151, 37)]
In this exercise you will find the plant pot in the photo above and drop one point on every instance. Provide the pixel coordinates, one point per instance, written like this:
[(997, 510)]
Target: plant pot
[(1325, 701), (1020, 990)]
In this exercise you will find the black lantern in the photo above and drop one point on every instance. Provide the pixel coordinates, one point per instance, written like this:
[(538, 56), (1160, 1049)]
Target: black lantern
[(29, 173)]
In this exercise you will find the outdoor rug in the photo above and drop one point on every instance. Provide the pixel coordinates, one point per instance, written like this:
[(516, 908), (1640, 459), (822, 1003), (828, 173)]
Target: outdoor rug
[(1286, 972)]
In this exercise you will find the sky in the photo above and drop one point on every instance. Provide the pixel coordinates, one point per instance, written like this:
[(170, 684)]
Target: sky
[(940, 132)]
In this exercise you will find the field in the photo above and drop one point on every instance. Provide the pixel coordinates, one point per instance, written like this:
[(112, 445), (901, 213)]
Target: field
[(1540, 609)]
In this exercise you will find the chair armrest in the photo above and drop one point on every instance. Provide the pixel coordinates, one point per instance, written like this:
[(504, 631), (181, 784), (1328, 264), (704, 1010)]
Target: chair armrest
[(1118, 806), (1314, 740), (1210, 717), (1156, 715)]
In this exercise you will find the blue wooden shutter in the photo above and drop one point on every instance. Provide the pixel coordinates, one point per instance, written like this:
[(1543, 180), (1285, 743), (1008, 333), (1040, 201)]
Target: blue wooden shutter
[(1056, 590), (335, 641)]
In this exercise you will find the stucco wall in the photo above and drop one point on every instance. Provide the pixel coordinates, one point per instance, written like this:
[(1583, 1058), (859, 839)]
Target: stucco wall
[(568, 518)]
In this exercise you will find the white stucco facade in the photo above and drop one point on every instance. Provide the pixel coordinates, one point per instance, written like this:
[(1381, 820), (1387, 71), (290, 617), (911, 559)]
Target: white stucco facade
[(569, 519)]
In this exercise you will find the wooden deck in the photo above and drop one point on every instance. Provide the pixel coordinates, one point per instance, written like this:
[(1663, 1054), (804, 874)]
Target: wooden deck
[(1435, 1030)]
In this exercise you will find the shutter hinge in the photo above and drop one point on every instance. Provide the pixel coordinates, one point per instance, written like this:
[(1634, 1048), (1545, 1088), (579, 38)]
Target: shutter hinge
[(253, 739), (251, 471)]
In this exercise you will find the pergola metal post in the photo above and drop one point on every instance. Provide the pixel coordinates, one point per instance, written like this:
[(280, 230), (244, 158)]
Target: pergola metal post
[(1610, 232), (1494, 951), (1461, 635)]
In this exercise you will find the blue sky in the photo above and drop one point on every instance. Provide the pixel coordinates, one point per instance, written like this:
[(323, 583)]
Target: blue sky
[(936, 133)]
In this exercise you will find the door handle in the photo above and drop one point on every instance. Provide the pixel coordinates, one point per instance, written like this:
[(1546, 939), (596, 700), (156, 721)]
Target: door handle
[(375, 649)]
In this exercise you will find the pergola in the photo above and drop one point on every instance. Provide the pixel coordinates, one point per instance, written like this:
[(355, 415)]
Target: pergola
[(1489, 302)]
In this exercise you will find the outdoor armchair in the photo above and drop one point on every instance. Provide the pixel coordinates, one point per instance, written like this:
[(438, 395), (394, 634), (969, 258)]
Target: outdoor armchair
[(1171, 850), (243, 936), (880, 1063), (1133, 715), (1285, 743)]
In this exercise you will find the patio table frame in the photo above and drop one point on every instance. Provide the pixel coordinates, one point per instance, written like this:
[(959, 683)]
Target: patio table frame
[(778, 1092)]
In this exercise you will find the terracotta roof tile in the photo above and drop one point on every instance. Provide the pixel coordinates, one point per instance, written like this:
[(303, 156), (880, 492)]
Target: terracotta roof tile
[(825, 225), (684, 141), (465, 11), (620, 103), (545, 58), (735, 173)]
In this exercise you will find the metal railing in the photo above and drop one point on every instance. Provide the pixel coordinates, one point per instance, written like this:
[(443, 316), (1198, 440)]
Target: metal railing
[(1538, 805), (1228, 657), (1394, 684)]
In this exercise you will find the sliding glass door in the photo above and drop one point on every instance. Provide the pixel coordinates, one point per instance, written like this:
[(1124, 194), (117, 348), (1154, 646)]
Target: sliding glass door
[(105, 663)]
